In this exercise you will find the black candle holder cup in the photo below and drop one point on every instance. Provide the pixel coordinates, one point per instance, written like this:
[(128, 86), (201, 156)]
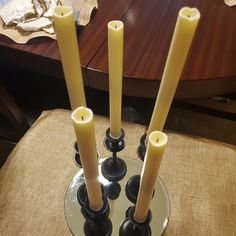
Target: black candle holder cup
[(141, 150), (77, 156), (114, 168), (130, 227), (97, 222), (82, 193)]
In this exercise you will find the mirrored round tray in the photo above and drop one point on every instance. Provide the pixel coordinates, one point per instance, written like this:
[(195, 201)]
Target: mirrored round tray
[(160, 205)]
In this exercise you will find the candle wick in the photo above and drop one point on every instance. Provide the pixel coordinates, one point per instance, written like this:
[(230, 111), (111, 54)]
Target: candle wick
[(115, 26), (82, 118), (157, 140), (62, 14)]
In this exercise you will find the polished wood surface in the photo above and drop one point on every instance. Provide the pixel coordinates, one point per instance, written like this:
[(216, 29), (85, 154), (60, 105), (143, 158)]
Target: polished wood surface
[(210, 68)]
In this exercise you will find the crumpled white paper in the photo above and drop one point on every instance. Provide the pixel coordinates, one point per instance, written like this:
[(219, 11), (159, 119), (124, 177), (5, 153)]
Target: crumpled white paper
[(230, 2), (82, 12)]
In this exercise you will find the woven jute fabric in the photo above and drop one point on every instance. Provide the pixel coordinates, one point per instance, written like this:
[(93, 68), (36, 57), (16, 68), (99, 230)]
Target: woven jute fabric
[(199, 174)]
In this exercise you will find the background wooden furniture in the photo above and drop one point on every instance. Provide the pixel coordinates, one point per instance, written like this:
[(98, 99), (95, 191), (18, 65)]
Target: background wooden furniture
[(149, 25), (13, 124), (199, 175)]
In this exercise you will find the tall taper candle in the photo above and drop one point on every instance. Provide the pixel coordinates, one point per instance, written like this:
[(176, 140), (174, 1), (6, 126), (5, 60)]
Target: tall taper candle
[(115, 60), (184, 31), (68, 46), (157, 142), (84, 128)]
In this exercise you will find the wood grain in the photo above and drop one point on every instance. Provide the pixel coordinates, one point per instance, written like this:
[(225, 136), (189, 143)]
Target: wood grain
[(149, 27)]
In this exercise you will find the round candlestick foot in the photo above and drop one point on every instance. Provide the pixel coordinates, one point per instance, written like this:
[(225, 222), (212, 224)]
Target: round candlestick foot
[(130, 227), (114, 170), (141, 150)]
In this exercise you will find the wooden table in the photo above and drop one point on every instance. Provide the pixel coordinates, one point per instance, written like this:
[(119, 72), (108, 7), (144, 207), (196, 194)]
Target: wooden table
[(199, 175), (210, 68)]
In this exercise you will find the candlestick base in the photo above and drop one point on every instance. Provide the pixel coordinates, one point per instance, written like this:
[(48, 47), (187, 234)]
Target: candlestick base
[(160, 205), (130, 227), (141, 150)]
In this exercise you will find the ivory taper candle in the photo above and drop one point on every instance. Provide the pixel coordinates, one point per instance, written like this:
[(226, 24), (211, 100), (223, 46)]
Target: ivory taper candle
[(157, 142), (115, 61), (84, 128), (186, 25), (68, 46)]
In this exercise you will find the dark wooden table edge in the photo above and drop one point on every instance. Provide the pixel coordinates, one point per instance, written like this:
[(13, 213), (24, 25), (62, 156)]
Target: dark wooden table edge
[(149, 88)]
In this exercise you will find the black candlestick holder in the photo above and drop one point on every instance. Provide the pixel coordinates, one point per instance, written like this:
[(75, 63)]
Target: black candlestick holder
[(82, 193), (141, 150), (77, 155), (114, 168), (96, 222), (77, 159), (130, 227)]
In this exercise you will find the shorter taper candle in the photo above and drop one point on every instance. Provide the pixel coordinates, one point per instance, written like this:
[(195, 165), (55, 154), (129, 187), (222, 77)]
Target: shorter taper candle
[(84, 128), (68, 46), (157, 142)]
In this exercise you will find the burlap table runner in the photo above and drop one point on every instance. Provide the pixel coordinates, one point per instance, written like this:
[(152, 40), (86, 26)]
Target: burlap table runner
[(200, 176)]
